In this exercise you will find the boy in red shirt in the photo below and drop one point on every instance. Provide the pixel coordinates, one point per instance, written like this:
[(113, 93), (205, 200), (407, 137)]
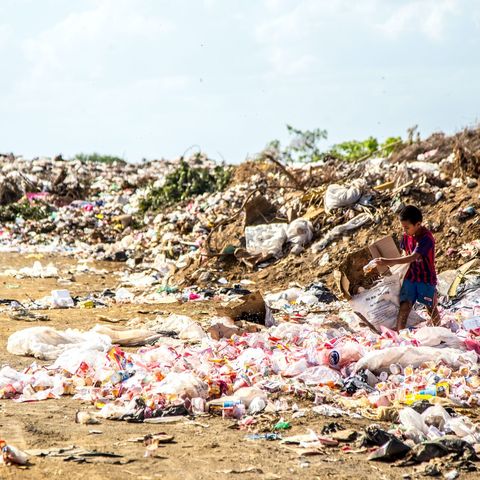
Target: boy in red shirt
[(421, 278)]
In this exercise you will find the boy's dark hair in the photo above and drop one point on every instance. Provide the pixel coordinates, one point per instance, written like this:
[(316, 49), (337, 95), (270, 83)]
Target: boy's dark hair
[(411, 214)]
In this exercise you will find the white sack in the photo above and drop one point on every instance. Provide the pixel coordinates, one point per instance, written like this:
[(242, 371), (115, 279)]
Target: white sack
[(380, 360), (380, 304), (266, 240), (338, 196), (46, 343), (299, 233)]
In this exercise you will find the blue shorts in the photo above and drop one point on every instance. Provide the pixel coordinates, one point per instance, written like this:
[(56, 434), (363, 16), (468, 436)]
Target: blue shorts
[(418, 292)]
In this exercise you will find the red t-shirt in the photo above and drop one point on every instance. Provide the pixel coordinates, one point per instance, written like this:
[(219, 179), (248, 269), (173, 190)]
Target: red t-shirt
[(423, 269)]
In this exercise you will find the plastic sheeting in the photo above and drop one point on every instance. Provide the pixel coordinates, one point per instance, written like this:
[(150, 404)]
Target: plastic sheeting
[(46, 343), (380, 360)]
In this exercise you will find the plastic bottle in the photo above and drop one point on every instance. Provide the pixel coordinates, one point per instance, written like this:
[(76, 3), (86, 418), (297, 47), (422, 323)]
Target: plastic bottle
[(12, 455)]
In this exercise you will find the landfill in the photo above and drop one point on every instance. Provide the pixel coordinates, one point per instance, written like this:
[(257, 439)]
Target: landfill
[(297, 347)]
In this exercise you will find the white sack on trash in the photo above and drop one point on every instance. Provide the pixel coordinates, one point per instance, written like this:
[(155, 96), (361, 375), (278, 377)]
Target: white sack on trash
[(380, 360), (266, 240), (380, 303), (46, 343), (338, 196)]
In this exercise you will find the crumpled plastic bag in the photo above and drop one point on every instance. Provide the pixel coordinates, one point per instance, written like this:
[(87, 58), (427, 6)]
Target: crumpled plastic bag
[(46, 343), (182, 325), (183, 385), (299, 233), (438, 337), (266, 240), (320, 375), (380, 360), (338, 196)]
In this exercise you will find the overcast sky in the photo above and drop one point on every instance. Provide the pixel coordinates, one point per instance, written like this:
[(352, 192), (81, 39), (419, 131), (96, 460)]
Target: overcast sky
[(149, 78)]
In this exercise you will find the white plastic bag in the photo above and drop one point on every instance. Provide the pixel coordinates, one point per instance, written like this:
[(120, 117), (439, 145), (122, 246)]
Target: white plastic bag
[(320, 375), (438, 337), (299, 233), (380, 304), (183, 385), (266, 240), (353, 224), (61, 299), (46, 343), (380, 360), (338, 196), (184, 326)]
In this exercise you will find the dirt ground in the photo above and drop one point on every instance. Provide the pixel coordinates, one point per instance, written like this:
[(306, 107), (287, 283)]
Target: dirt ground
[(206, 448)]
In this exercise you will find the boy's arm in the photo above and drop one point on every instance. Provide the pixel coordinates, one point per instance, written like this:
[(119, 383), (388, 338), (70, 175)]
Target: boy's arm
[(388, 262)]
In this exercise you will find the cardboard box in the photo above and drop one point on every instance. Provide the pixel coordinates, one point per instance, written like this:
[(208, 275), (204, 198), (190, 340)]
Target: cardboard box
[(350, 274)]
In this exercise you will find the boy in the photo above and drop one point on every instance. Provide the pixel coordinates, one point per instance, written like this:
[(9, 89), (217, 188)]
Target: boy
[(420, 281)]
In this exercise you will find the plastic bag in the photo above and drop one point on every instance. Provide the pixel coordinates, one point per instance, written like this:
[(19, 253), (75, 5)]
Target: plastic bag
[(295, 368), (184, 326), (413, 422), (123, 295), (182, 385), (320, 375), (335, 232), (438, 336), (380, 304), (436, 416), (378, 360), (338, 196), (266, 240), (46, 343), (344, 353), (61, 299), (299, 233)]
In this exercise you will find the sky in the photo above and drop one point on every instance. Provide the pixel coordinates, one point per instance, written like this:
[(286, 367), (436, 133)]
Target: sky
[(151, 78)]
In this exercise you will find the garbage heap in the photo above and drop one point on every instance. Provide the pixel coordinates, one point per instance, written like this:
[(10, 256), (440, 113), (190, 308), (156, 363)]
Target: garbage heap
[(261, 220), (271, 226), (299, 346)]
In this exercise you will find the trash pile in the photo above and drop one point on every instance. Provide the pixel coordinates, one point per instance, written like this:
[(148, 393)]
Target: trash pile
[(417, 378), (266, 216), (304, 313)]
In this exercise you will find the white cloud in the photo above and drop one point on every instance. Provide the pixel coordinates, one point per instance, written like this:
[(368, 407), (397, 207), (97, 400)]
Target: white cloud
[(427, 16), (81, 41)]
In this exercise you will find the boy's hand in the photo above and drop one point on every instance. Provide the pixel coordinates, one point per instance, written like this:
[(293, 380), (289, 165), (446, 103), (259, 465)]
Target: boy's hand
[(382, 261)]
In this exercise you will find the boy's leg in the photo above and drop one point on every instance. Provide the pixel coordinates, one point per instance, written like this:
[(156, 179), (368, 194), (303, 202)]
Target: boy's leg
[(408, 296), (428, 296), (403, 313)]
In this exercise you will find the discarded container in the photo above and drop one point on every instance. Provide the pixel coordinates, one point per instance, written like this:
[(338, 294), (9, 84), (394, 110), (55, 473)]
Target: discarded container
[(62, 299)]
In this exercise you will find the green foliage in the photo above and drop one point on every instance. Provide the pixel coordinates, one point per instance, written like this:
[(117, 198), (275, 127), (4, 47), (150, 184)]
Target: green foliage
[(305, 147), (186, 182), (390, 144), (354, 150), (25, 210), (97, 158)]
